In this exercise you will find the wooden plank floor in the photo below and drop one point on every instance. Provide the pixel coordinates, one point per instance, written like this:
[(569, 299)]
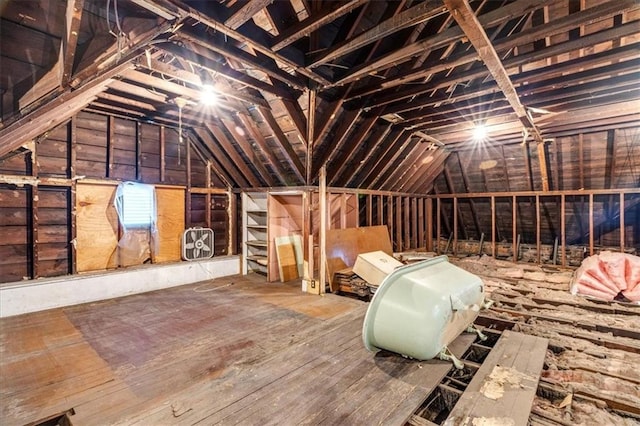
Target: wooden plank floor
[(503, 388), (233, 350)]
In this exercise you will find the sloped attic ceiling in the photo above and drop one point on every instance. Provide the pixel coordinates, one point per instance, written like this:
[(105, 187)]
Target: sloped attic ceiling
[(381, 92)]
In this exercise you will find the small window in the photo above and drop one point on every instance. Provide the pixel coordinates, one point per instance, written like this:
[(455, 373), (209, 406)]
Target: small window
[(136, 206)]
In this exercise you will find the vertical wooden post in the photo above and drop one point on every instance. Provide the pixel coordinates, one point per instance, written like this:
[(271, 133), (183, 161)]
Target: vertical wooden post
[(232, 217), (455, 226), (414, 223), (163, 151), (562, 230), (622, 222), (390, 218), (369, 209), (73, 137), (538, 245), (138, 152), (591, 224), (514, 230), (421, 241), (407, 224), (33, 192), (493, 226), (311, 120), (429, 217), (111, 130), (544, 166), (438, 224), (323, 228), (380, 210), (343, 211), (398, 223), (307, 238), (207, 197)]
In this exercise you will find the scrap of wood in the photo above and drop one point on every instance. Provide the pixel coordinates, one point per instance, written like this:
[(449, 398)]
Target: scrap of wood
[(344, 245), (505, 385)]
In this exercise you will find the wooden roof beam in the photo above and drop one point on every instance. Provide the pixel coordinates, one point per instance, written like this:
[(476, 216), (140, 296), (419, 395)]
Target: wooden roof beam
[(268, 153), (228, 50), (55, 112), (559, 26), (466, 18), (353, 144), (422, 175), (70, 41), (590, 61), (230, 168), (242, 12), (227, 148), (428, 177), (401, 164), (194, 79), (291, 155), (406, 168), (224, 171), (410, 17), (248, 150), (305, 27), (343, 130), (503, 14), (200, 61), (374, 142), (401, 145), (236, 35), (376, 163), (177, 89)]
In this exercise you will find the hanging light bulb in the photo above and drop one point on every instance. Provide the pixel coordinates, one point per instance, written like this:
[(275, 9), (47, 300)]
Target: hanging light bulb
[(479, 132), (208, 96)]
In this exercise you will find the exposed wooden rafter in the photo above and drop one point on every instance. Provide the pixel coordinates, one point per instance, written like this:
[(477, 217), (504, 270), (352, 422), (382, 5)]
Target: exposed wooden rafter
[(410, 17), (305, 27), (242, 12), (70, 42), (466, 18)]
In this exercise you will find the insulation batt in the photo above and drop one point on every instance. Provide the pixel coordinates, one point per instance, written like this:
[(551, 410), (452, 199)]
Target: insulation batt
[(605, 275)]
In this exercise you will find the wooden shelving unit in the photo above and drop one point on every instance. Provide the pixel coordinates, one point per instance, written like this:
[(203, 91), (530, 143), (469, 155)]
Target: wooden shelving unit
[(255, 235)]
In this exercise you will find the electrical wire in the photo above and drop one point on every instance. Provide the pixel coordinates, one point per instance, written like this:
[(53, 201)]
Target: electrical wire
[(197, 289)]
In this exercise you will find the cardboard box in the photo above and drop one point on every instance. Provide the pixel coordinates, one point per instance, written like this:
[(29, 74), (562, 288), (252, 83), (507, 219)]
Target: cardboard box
[(373, 267)]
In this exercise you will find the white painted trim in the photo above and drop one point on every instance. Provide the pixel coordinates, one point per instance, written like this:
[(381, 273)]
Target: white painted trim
[(37, 295)]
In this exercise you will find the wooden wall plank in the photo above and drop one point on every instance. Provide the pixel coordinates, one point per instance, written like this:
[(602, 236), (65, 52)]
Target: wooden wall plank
[(171, 223), (97, 227)]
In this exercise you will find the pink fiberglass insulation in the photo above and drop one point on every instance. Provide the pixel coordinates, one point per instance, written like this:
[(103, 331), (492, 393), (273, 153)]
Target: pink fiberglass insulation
[(604, 276)]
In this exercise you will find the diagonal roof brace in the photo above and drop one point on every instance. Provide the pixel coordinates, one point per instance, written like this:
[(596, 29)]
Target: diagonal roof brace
[(467, 20)]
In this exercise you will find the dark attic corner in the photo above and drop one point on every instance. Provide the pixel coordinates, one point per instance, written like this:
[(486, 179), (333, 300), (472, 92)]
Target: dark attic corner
[(406, 212)]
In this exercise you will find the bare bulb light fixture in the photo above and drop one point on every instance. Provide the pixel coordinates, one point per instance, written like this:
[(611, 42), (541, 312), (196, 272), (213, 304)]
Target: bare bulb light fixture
[(208, 95), (479, 132)]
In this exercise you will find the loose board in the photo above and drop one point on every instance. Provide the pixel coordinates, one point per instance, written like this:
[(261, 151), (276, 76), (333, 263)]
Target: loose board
[(97, 227), (287, 267), (170, 206), (344, 246)]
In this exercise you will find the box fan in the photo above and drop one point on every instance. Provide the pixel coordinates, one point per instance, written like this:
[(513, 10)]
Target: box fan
[(197, 243)]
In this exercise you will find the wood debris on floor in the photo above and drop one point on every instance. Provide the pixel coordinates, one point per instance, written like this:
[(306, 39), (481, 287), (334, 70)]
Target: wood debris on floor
[(591, 373)]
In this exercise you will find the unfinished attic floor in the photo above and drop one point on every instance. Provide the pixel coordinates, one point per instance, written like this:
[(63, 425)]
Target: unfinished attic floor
[(233, 350)]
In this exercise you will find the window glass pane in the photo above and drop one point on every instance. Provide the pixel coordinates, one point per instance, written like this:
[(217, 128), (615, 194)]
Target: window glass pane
[(136, 205)]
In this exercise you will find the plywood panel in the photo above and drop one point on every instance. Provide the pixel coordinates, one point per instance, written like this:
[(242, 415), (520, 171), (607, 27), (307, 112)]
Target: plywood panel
[(170, 202), (344, 246), (287, 266), (97, 227)]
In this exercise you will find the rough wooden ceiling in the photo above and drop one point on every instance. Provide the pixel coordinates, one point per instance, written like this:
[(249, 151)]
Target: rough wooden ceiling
[(381, 92)]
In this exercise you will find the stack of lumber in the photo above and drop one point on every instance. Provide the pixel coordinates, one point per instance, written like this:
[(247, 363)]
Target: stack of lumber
[(349, 282)]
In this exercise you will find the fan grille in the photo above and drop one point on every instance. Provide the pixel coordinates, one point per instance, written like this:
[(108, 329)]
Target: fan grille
[(197, 243)]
